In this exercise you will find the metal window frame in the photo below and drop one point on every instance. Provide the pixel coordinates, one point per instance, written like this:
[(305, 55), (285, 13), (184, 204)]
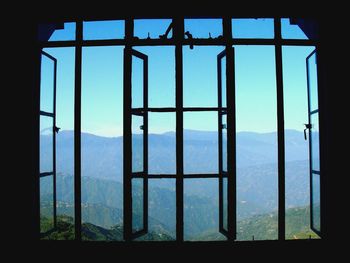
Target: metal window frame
[(53, 116), (144, 114), (222, 230), (312, 172), (179, 42)]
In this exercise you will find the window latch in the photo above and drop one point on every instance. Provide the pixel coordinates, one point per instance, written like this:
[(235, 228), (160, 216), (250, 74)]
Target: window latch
[(223, 126), (307, 127), (56, 129), (141, 127)]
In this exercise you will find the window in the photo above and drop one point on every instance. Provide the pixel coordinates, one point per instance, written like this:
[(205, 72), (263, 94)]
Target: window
[(181, 137)]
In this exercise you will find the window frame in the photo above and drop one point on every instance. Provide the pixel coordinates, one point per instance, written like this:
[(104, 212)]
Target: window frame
[(178, 40)]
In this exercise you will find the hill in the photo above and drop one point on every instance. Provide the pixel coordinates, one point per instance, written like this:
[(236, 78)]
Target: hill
[(102, 157), (91, 232)]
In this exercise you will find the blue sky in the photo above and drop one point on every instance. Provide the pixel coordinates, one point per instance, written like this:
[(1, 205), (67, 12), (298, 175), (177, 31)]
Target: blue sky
[(102, 79)]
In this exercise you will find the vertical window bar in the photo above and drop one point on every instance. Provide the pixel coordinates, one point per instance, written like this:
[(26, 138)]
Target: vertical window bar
[(231, 131), (36, 148), (54, 145), (221, 202), (178, 35), (145, 142), (280, 130), (77, 130), (322, 145), (127, 209)]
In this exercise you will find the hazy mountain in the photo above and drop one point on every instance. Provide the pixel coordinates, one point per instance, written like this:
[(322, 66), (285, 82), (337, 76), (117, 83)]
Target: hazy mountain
[(102, 191), (102, 157)]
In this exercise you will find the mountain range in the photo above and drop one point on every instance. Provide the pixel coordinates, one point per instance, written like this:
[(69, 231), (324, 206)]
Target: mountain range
[(102, 157), (102, 191)]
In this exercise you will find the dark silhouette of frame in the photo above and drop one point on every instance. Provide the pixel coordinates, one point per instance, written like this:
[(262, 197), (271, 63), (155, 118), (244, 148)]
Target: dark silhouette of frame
[(53, 116), (179, 41)]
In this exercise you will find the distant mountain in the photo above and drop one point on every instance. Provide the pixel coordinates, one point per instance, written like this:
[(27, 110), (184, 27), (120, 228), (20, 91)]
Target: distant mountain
[(256, 195), (102, 182), (102, 157)]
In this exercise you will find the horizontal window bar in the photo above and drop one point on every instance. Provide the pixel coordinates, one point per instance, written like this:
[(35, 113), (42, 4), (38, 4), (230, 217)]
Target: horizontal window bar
[(201, 175), (314, 111), (70, 43), (140, 111), (46, 174), (138, 174), (138, 234), (155, 176), (204, 109), (315, 172), (49, 114), (159, 176), (185, 42)]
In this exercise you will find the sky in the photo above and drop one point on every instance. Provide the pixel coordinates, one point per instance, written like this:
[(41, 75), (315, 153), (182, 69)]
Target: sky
[(255, 80)]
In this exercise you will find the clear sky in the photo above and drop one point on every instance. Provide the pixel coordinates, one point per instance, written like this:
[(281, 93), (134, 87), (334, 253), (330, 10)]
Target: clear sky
[(102, 77)]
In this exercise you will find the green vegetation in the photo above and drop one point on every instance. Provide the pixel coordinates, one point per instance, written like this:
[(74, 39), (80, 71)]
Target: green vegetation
[(91, 232), (261, 227), (265, 227)]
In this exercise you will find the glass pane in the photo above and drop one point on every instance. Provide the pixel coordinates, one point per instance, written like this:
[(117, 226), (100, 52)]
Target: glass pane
[(102, 143), (290, 31), (200, 76), (313, 88), (46, 144), (66, 33), (151, 28), (161, 75), (315, 143), (46, 204), (253, 28), (137, 83), (225, 203), (224, 143), (161, 143), (137, 143), (47, 84), (161, 210), (201, 210), (256, 143), (137, 204), (200, 142), (223, 82), (204, 28), (316, 208), (112, 29)]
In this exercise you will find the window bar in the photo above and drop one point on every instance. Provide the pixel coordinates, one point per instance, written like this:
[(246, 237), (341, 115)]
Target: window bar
[(322, 149), (178, 36), (127, 212), (54, 145), (77, 131), (145, 144), (36, 148), (280, 131), (231, 131), (221, 201)]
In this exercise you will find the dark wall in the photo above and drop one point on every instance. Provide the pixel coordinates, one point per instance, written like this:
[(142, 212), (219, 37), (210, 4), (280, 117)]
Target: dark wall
[(21, 217)]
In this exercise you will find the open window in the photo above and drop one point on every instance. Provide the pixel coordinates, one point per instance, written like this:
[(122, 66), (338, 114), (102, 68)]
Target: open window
[(314, 149), (139, 145), (222, 128), (200, 151), (47, 140), (227, 174)]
